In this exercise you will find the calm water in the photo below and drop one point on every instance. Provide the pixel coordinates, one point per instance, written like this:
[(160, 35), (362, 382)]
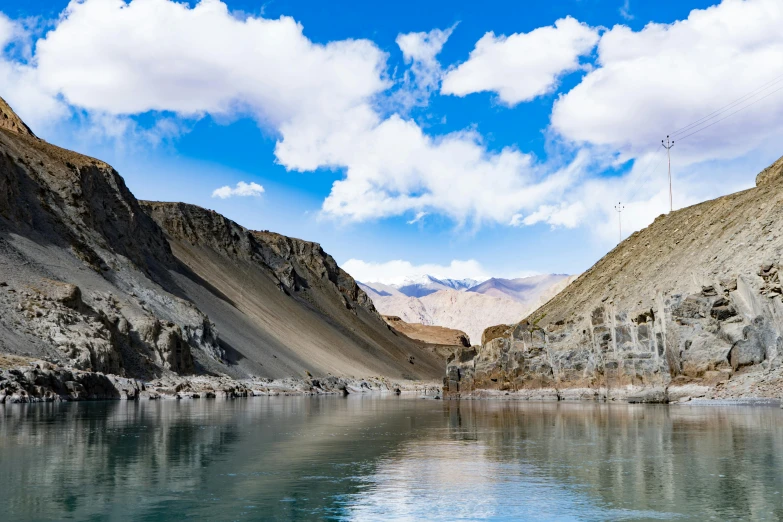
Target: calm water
[(388, 459)]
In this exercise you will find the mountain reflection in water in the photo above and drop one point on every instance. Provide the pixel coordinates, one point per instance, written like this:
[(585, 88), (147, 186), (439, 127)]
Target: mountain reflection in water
[(369, 458)]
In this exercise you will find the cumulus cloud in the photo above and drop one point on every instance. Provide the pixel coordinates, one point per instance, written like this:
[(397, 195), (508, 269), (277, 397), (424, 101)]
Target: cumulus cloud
[(8, 30), (327, 103), (21, 82), (397, 271), (522, 66), (651, 82), (121, 59), (419, 50), (161, 55), (394, 167), (242, 189)]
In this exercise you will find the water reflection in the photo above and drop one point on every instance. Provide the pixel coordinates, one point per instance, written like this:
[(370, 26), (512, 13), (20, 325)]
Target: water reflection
[(391, 458)]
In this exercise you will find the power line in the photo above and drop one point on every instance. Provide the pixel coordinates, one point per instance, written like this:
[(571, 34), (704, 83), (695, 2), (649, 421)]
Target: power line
[(731, 114), (728, 106), (699, 125)]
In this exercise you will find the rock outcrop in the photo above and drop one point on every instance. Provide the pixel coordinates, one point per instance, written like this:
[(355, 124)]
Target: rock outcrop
[(25, 380), (688, 307), (79, 265)]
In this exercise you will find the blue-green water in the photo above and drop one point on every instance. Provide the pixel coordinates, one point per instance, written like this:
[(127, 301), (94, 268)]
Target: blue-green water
[(373, 458)]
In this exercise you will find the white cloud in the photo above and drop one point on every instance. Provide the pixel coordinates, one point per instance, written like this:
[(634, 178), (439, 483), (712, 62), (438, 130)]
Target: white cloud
[(161, 55), (645, 193), (522, 66), (114, 60), (328, 104), (8, 31), (649, 83), (394, 168), (418, 217), (420, 50), (21, 83), (110, 57), (625, 10), (242, 189), (397, 271)]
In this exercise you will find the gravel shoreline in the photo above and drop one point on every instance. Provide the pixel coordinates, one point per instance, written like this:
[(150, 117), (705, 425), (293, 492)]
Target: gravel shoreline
[(41, 381)]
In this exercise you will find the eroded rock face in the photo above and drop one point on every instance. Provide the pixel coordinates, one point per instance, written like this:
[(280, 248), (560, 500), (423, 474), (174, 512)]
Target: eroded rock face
[(80, 260), (618, 354), (295, 263), (100, 337), (10, 121), (693, 302), (45, 382)]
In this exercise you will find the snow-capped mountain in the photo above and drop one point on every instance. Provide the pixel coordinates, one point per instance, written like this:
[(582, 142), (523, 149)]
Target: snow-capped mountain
[(421, 285), (461, 284), (465, 304), (522, 289)]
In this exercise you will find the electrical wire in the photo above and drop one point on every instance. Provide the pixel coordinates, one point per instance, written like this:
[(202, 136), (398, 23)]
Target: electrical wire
[(721, 110), (731, 114)]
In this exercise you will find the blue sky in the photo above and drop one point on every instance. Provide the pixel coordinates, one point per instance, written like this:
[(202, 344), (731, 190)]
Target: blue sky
[(511, 154)]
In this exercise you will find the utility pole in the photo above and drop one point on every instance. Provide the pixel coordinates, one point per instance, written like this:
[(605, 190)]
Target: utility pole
[(619, 207), (668, 146)]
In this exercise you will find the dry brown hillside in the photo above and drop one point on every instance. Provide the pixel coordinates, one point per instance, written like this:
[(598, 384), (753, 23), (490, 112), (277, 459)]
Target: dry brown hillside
[(428, 334), (693, 299)]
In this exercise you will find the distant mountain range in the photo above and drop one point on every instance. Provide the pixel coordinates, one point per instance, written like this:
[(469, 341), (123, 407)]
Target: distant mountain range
[(464, 304), (419, 286)]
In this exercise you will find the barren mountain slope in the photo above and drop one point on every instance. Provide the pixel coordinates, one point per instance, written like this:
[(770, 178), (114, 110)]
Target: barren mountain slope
[(689, 306), (88, 279), (466, 311), (78, 259), (282, 305), (529, 290), (428, 334)]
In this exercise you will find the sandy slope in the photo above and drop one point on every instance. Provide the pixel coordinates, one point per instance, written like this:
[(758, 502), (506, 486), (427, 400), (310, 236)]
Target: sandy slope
[(270, 333)]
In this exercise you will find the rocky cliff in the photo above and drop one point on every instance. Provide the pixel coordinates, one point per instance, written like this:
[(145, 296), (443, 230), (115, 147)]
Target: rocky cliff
[(78, 258), (282, 305), (90, 281), (688, 307)]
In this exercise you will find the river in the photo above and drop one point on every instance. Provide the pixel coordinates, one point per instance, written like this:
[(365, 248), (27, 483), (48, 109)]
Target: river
[(389, 458)]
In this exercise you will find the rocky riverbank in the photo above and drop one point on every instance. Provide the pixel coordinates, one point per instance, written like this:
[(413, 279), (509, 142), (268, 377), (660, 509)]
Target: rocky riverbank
[(25, 381)]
